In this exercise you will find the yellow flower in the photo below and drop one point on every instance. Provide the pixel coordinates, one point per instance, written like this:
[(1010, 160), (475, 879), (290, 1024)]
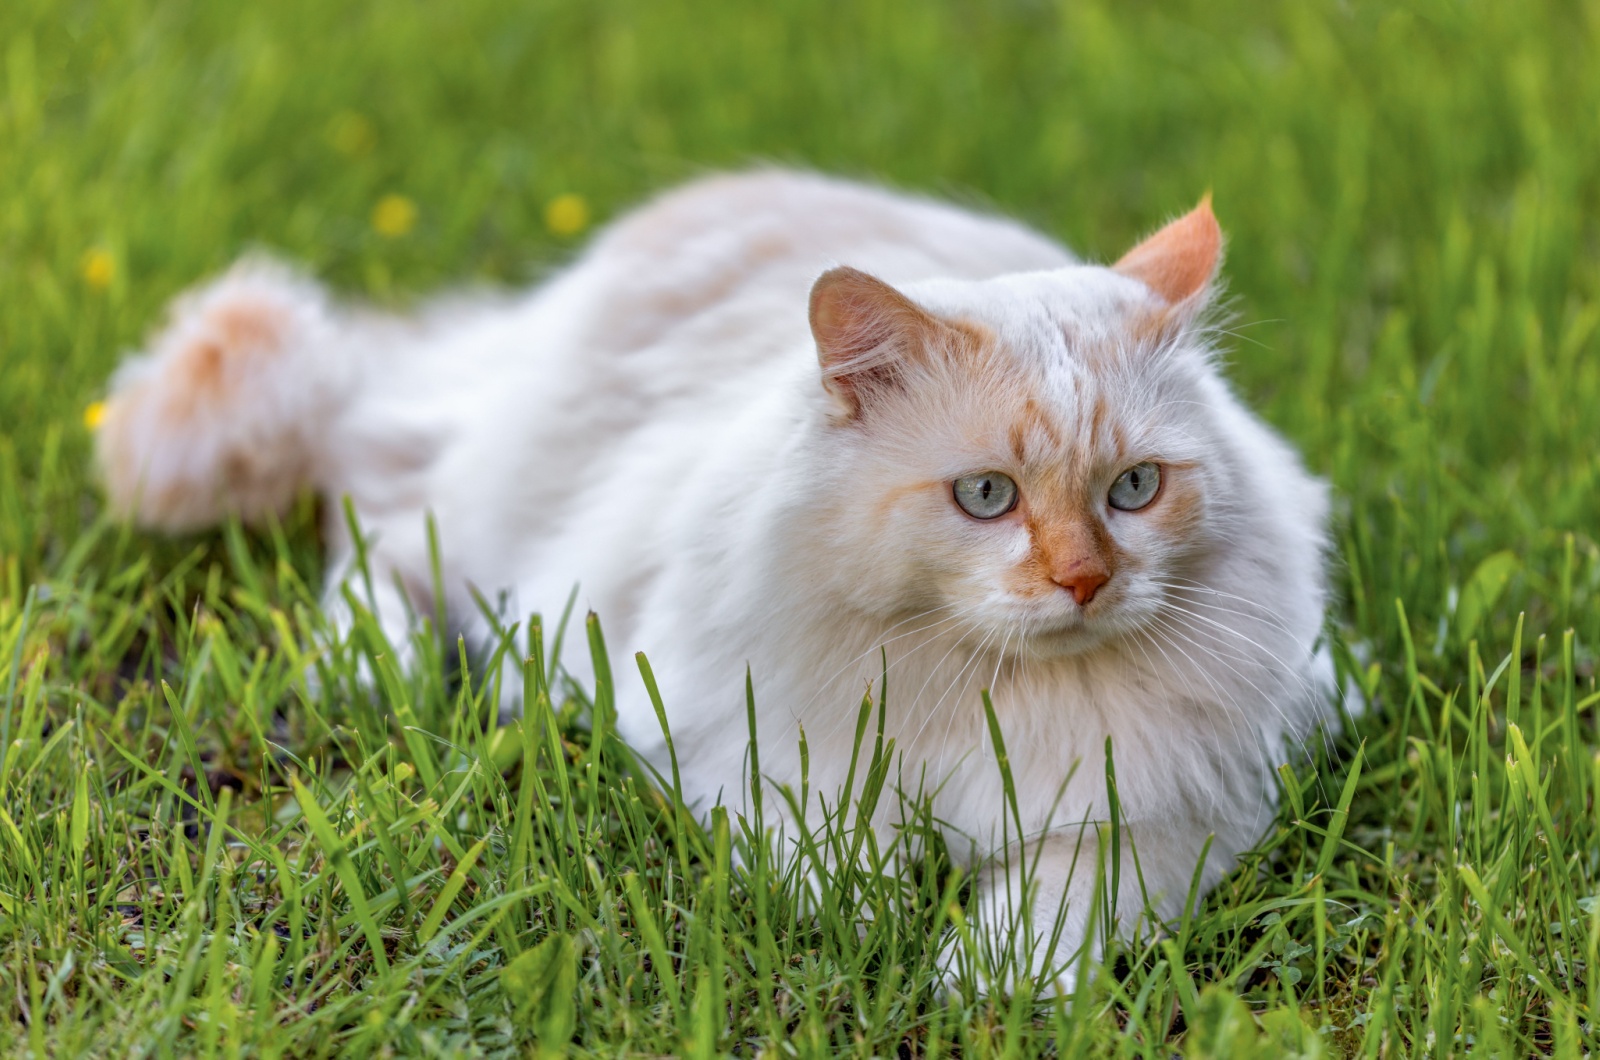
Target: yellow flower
[(94, 415), (566, 215), (394, 216), (98, 268)]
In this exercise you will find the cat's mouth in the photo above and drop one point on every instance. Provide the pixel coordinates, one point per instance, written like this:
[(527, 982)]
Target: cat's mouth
[(1072, 629), (1059, 632)]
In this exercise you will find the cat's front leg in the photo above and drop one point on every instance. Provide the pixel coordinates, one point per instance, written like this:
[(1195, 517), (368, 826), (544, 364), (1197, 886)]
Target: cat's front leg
[(1044, 907), (392, 615), (373, 613), (1031, 917)]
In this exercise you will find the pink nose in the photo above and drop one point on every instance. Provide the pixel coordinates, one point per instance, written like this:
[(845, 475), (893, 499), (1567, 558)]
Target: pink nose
[(1083, 584)]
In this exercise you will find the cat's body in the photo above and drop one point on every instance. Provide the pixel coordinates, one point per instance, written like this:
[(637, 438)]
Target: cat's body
[(652, 426)]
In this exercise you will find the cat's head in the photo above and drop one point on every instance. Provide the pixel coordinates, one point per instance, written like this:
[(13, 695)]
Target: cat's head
[(1041, 454)]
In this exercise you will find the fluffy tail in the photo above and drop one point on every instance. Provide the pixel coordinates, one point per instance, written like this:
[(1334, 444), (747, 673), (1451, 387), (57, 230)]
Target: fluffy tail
[(228, 409)]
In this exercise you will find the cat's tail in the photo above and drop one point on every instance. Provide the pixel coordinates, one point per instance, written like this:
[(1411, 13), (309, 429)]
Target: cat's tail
[(228, 410)]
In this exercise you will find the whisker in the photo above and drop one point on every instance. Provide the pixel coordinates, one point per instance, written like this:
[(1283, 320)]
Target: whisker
[(932, 673), (1337, 691), (1216, 733), (1296, 739), (1188, 586), (1230, 709), (796, 713), (944, 741), (1288, 670), (1222, 700), (1271, 701)]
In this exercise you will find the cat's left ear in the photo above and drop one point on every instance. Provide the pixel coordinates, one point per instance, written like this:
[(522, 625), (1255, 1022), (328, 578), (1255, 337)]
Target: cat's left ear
[(866, 333), (1180, 261)]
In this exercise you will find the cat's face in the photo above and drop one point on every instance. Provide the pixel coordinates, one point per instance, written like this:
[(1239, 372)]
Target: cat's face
[(1030, 456)]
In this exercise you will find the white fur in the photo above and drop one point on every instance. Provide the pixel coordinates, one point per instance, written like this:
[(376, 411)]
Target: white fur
[(651, 425)]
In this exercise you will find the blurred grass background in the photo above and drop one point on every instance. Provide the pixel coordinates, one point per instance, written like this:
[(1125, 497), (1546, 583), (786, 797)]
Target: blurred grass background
[(1411, 194)]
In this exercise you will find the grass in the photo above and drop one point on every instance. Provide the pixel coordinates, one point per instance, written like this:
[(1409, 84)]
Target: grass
[(201, 852)]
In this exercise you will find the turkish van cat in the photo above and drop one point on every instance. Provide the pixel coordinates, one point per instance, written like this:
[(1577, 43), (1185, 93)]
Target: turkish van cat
[(812, 428)]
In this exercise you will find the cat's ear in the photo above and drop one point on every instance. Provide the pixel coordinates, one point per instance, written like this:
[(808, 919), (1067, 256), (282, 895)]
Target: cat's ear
[(865, 331), (1179, 262)]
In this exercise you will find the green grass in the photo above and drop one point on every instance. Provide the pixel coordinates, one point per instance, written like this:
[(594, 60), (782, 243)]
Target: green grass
[(200, 852)]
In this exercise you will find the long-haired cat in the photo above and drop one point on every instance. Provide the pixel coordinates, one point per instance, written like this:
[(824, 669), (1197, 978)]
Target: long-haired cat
[(784, 422)]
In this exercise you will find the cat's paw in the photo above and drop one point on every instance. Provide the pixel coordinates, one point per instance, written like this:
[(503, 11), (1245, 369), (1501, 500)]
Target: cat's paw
[(953, 981), (985, 968)]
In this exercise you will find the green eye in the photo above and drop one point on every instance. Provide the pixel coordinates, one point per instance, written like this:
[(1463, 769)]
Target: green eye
[(1136, 487), (986, 495)]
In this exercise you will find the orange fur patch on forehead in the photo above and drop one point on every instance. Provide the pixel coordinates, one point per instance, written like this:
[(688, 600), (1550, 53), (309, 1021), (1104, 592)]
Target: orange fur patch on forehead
[(1037, 419), (1032, 421), (244, 324), (1098, 417), (1119, 438), (1019, 443)]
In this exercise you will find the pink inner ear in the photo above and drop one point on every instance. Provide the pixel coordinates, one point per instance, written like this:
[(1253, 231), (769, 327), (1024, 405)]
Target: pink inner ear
[(862, 327), (853, 313), (1180, 260), (847, 318)]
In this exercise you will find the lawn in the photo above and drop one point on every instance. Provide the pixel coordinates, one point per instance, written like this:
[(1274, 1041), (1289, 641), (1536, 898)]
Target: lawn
[(203, 852)]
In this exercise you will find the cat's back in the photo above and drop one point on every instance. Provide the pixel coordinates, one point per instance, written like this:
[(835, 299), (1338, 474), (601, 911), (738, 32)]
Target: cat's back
[(747, 246), (775, 218)]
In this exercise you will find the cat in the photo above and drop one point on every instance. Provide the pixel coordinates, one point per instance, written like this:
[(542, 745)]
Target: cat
[(814, 428)]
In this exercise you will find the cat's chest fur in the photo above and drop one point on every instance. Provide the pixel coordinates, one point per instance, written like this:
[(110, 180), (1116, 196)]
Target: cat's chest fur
[(1177, 756)]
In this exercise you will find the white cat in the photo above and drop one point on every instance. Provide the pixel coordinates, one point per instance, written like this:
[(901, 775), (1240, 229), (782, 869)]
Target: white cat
[(1011, 470)]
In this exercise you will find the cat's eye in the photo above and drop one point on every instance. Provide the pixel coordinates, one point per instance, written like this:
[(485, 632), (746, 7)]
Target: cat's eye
[(986, 495), (1136, 487)]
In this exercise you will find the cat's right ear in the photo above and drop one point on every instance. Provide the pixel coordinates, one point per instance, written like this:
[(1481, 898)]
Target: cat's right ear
[(865, 330), (1179, 263)]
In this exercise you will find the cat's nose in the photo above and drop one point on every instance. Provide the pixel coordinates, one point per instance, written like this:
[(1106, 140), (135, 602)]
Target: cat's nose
[(1083, 583)]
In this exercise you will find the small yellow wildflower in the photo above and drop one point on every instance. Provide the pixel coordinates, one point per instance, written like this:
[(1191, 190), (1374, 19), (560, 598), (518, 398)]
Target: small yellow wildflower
[(94, 415), (566, 215), (350, 133), (394, 216), (98, 268)]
